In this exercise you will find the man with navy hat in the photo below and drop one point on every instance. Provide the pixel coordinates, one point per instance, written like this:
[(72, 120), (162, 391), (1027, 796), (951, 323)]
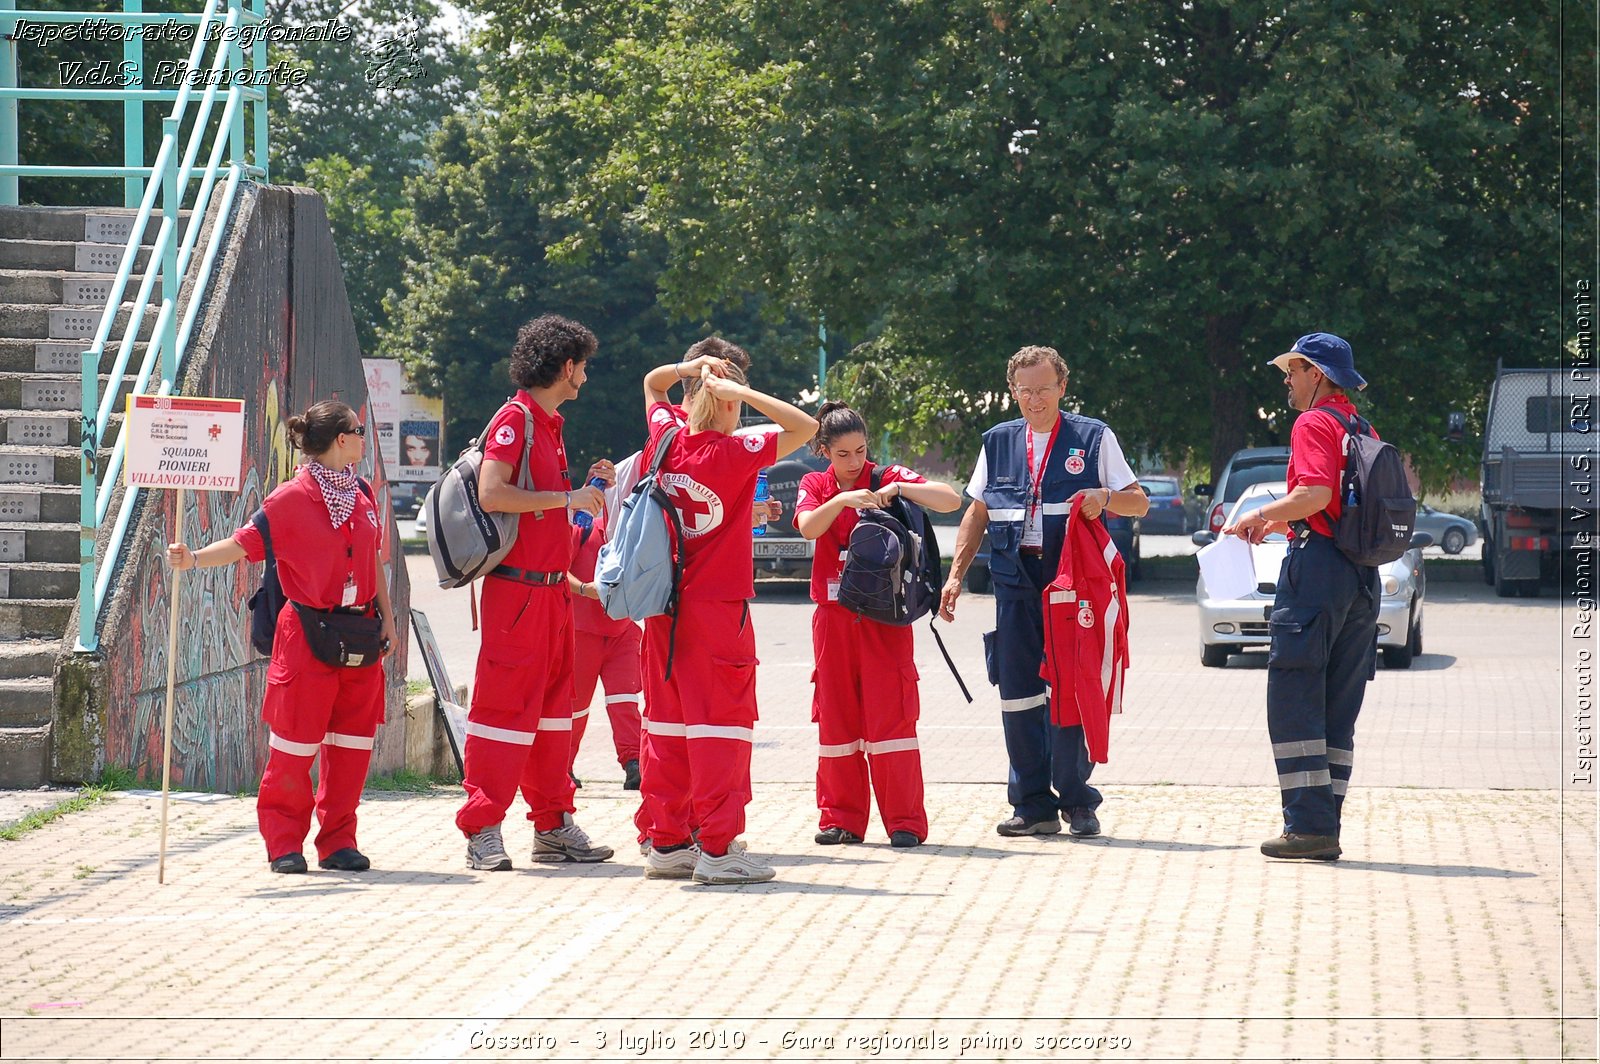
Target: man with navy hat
[(1027, 475), (1325, 616)]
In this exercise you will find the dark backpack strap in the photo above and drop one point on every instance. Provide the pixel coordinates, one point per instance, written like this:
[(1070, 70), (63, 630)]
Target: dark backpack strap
[(262, 526), (1356, 426), (953, 672), (875, 478), (661, 452)]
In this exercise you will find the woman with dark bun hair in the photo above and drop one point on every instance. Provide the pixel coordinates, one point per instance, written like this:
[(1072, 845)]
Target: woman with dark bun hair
[(865, 701), (326, 539)]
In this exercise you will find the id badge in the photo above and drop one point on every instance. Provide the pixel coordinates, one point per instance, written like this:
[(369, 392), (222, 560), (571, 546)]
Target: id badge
[(349, 597), (833, 591)]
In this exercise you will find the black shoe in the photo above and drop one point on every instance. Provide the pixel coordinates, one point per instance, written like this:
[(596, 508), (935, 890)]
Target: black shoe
[(348, 859), (903, 840), (1017, 826), (1290, 846), (576, 782), (1082, 821), (836, 837), (630, 775), (293, 864)]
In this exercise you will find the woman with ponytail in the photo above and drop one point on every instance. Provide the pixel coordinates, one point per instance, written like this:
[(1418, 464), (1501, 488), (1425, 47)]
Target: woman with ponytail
[(865, 701), (700, 665), (326, 539)]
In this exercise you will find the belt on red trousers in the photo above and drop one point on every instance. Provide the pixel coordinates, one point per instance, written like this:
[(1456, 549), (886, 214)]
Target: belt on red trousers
[(529, 576), (359, 611)]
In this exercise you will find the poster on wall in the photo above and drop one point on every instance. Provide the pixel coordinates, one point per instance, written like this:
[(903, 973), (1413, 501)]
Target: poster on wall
[(421, 439), (385, 388)]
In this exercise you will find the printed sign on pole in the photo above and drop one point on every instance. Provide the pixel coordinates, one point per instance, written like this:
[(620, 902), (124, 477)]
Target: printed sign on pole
[(184, 442), (181, 442)]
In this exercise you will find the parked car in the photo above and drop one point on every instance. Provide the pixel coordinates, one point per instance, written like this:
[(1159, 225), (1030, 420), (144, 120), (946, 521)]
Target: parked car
[(1453, 534), (406, 496), (1166, 516), (1252, 465), (781, 548), (421, 522), (1125, 532), (1230, 626)]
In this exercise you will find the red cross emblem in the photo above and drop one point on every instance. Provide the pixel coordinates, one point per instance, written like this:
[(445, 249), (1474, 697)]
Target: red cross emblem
[(214, 431), (690, 507)]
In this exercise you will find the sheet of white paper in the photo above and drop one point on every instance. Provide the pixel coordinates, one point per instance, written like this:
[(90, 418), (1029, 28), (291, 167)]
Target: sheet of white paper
[(1227, 568)]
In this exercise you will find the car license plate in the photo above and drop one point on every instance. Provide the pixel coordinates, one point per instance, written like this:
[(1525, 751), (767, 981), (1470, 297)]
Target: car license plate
[(781, 549)]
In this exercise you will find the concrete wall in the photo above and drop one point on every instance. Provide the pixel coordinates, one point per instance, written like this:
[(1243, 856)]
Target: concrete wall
[(277, 331)]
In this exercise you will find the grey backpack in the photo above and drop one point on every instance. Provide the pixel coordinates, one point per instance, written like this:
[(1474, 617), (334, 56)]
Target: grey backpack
[(641, 564), (465, 540)]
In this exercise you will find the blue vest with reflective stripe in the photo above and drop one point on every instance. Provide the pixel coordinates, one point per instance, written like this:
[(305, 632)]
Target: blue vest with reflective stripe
[(1009, 491)]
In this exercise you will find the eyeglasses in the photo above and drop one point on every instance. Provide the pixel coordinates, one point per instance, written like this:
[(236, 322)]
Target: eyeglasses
[(1048, 392), (359, 430)]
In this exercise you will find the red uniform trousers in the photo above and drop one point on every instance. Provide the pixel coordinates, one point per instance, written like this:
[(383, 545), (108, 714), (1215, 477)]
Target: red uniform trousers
[(614, 662), (519, 727), (866, 704), (312, 707), (700, 727)]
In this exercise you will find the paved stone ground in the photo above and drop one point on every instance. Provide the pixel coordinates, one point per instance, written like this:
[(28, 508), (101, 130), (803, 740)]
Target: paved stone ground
[(1435, 938), (1459, 926)]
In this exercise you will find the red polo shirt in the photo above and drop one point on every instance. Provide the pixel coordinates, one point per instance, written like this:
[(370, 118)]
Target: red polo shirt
[(1316, 456), (544, 537), (817, 488), (711, 479), (314, 558)]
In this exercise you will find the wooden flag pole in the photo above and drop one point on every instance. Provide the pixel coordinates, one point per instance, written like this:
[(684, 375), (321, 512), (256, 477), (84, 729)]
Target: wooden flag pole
[(172, 674)]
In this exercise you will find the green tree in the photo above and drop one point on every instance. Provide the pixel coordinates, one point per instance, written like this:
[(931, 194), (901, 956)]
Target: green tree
[(1168, 192), (477, 270), (356, 139)]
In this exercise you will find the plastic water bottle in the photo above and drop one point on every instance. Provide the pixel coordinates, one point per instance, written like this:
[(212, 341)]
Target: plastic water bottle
[(583, 518), (763, 493)]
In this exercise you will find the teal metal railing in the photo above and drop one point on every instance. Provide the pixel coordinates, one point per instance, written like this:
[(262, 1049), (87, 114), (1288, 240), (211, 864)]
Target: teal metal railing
[(169, 178)]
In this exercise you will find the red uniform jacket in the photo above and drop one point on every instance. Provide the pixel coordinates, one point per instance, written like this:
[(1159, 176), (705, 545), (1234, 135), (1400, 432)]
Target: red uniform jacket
[(1086, 633)]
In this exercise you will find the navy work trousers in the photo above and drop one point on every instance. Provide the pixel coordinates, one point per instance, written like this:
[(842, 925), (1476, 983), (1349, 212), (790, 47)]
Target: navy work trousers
[(1324, 650), (1050, 765)]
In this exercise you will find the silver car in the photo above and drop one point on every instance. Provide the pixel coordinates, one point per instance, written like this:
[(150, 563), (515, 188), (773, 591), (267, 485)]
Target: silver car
[(1230, 626), (1452, 533)]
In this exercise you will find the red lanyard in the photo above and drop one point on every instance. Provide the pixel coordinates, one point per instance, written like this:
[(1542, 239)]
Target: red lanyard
[(1036, 489)]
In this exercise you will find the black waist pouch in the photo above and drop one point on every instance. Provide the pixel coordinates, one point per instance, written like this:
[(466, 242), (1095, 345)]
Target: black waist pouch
[(348, 640)]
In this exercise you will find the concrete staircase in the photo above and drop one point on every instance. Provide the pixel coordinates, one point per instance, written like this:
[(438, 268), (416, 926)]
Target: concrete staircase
[(56, 269)]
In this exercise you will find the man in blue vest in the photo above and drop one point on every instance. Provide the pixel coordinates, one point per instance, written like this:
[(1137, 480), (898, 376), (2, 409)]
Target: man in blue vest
[(1022, 488)]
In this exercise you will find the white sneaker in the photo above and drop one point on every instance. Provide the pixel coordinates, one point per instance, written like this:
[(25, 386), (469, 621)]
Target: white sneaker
[(671, 864), (736, 846), (487, 852), (733, 867), (568, 842)]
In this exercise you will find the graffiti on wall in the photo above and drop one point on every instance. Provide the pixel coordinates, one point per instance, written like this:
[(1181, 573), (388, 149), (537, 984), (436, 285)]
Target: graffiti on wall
[(280, 353)]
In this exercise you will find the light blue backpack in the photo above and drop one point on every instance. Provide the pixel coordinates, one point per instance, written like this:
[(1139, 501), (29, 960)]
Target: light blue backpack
[(640, 566)]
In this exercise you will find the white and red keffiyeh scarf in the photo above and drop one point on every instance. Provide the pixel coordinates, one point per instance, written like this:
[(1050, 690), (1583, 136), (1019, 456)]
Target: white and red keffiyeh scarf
[(339, 489)]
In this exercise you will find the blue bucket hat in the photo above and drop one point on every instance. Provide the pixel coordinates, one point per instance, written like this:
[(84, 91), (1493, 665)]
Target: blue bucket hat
[(1328, 353)]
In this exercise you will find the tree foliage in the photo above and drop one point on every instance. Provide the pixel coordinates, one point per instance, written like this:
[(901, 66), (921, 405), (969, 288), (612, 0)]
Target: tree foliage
[(1169, 193), (358, 142), (476, 270)]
